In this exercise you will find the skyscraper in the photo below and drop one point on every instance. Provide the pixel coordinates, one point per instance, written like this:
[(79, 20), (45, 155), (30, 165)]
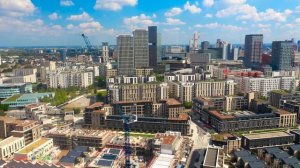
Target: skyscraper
[(282, 54), (125, 55), (205, 45), (141, 48), (253, 49), (194, 42), (105, 52), (154, 46)]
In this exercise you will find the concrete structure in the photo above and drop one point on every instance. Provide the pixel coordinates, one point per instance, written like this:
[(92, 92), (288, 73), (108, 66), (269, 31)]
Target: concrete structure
[(67, 138), (282, 55), (11, 145), (65, 79), (125, 54), (253, 49), (35, 150), (141, 48), (105, 52), (287, 119), (263, 140), (8, 90)]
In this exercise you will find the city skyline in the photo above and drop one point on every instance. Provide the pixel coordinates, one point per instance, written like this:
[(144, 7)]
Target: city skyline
[(36, 23)]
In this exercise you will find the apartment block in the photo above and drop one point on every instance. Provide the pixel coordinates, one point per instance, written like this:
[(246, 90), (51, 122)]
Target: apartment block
[(28, 129), (35, 150), (9, 89), (10, 145), (65, 79)]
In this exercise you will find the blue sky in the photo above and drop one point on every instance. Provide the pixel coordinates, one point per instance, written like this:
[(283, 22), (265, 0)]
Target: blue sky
[(39, 22)]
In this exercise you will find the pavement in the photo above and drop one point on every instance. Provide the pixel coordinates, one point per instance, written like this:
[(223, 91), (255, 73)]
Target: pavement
[(200, 142)]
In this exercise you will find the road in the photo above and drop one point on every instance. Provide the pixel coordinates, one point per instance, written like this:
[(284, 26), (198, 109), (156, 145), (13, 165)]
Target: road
[(201, 140)]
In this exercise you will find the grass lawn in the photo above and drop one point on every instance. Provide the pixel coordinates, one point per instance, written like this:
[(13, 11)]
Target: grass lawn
[(13, 98), (239, 133), (138, 134)]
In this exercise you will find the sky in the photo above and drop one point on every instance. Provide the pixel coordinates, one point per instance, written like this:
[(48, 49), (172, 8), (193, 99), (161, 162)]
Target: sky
[(61, 22)]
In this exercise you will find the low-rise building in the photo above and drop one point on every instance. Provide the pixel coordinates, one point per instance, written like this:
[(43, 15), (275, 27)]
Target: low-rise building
[(21, 100), (10, 89), (287, 119), (35, 150), (262, 140), (11, 145)]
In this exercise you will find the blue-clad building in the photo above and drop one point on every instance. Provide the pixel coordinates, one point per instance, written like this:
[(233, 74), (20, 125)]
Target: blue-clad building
[(10, 89), (21, 100)]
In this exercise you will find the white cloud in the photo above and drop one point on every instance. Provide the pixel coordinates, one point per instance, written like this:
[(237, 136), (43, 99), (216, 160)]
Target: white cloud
[(53, 16), (70, 26), (172, 21), (208, 3), (90, 27), (248, 12), (233, 2), (208, 15), (172, 29), (16, 7), (263, 25), (114, 5), (140, 21), (57, 27), (216, 25), (173, 12), (82, 17), (66, 3), (192, 8)]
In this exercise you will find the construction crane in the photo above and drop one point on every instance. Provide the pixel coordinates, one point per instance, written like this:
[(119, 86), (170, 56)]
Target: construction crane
[(127, 120), (87, 42)]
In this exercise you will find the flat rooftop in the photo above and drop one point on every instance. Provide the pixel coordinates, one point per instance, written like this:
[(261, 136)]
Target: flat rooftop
[(163, 161), (173, 102), (267, 135), (9, 140), (284, 112), (211, 157), (34, 145), (80, 132), (11, 85)]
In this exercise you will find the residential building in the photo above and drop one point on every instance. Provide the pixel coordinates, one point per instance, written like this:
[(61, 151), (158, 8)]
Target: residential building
[(68, 138), (287, 119), (277, 98), (253, 49), (282, 55), (105, 52), (65, 79), (141, 48), (28, 129), (10, 145), (8, 90), (35, 150), (125, 55)]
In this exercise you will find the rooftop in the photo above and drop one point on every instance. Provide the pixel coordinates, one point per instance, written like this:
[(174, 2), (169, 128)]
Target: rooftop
[(80, 132), (267, 135), (283, 92), (211, 157), (9, 140), (173, 102), (221, 116), (168, 139), (34, 145), (12, 84), (283, 112), (97, 104)]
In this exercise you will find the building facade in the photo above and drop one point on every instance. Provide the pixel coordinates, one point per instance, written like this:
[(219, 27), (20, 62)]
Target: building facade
[(282, 55), (253, 49)]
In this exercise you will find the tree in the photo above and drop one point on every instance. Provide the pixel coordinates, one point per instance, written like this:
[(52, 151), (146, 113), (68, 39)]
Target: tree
[(188, 105), (159, 77), (101, 82), (101, 96), (76, 110)]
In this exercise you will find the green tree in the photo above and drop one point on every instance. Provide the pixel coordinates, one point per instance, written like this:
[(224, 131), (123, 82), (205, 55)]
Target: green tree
[(76, 110), (159, 77), (188, 105), (101, 96), (101, 82)]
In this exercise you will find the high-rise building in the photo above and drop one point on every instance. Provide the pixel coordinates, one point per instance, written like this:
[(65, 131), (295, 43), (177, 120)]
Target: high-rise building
[(194, 42), (282, 54), (125, 55), (154, 46), (105, 52), (141, 48), (253, 49), (205, 45)]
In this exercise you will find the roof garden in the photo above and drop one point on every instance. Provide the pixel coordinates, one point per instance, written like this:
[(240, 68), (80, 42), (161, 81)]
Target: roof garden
[(13, 98)]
